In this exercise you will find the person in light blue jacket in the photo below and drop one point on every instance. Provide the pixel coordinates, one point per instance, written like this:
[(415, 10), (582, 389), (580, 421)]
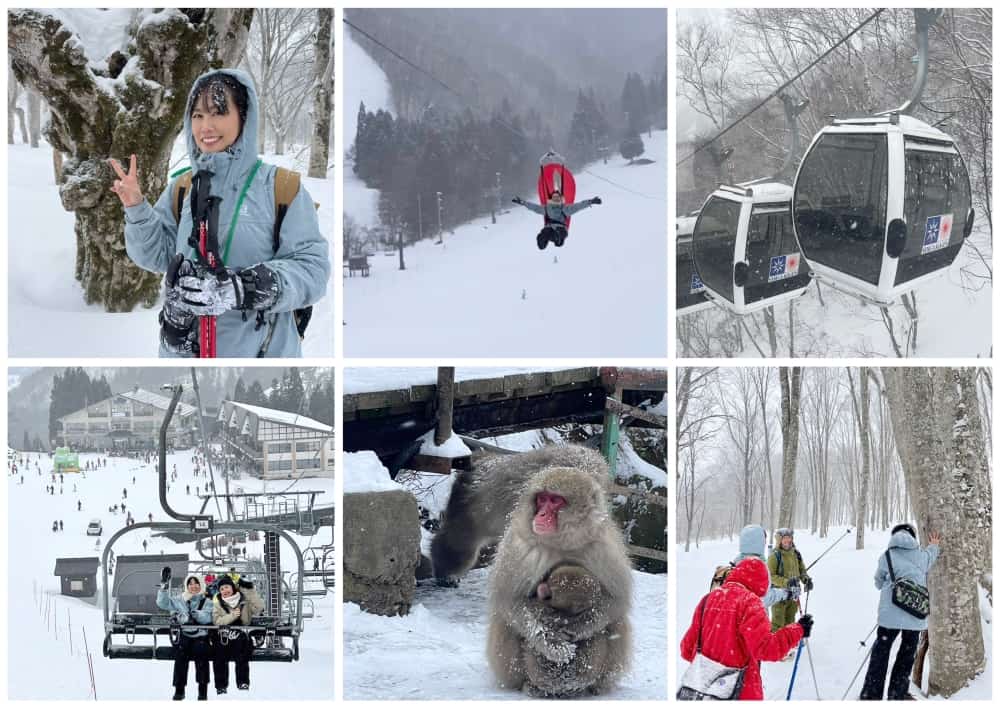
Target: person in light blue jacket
[(190, 607), (911, 562), (257, 288)]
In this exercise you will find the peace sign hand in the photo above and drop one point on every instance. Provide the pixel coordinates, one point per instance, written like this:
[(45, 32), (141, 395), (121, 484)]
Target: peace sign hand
[(127, 184)]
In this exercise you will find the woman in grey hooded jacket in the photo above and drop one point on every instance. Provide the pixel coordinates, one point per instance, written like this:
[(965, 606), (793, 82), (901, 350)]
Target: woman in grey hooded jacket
[(255, 298), (911, 562)]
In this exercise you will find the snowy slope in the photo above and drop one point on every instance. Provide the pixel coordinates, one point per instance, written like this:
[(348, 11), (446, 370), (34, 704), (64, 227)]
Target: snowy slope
[(40, 664), (46, 313), (489, 292), (438, 650), (844, 605), (953, 321), (363, 81)]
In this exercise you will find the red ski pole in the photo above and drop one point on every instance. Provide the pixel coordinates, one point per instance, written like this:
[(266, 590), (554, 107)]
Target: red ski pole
[(206, 323)]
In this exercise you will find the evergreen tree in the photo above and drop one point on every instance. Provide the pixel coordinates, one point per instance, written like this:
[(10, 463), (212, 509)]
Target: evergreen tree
[(240, 392), (632, 147), (27, 443), (255, 394)]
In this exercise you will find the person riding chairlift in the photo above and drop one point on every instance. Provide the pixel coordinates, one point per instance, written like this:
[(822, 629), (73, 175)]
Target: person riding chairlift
[(557, 214)]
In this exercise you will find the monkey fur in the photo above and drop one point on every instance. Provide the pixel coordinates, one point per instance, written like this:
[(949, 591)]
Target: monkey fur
[(483, 498), (574, 637)]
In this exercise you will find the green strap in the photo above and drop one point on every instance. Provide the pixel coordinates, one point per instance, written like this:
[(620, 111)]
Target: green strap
[(236, 213)]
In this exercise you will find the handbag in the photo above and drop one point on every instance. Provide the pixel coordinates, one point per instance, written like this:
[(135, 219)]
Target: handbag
[(908, 595), (708, 680)]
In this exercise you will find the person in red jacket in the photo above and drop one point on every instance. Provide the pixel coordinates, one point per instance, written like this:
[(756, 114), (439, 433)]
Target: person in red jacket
[(735, 629)]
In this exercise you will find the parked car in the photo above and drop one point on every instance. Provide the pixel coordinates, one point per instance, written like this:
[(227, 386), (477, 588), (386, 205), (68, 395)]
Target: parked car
[(94, 529)]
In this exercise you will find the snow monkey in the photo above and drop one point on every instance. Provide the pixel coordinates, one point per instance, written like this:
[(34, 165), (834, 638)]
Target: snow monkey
[(482, 499), (560, 590)]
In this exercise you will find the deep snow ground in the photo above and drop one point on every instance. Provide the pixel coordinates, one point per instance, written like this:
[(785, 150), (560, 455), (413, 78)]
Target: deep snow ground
[(47, 316), (488, 290), (844, 605), (438, 651), (41, 666)]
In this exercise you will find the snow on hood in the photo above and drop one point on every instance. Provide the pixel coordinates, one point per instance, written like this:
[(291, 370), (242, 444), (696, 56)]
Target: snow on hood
[(903, 540), (243, 153), (752, 574)]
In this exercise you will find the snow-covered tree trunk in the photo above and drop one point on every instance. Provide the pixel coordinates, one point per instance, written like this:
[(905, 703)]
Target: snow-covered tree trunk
[(13, 110), (34, 118), (940, 446), (791, 389), (319, 150), (129, 102)]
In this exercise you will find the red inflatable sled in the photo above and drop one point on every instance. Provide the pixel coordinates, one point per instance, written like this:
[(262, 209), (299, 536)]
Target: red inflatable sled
[(554, 176)]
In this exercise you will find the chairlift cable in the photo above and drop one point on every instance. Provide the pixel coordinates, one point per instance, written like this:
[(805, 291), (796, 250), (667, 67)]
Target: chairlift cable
[(469, 102), (781, 88), (204, 443)]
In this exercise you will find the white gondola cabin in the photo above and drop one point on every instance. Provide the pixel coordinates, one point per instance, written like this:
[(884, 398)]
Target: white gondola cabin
[(745, 252), (881, 205), (690, 295)]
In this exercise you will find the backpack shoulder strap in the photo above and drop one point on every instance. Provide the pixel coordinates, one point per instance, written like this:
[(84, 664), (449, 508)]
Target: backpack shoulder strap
[(701, 623), (201, 603), (286, 188), (181, 185), (779, 561), (802, 564), (888, 560)]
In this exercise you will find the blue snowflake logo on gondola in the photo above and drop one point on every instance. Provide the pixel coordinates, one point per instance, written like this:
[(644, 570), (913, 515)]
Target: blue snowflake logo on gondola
[(784, 266), (937, 233), (696, 285)]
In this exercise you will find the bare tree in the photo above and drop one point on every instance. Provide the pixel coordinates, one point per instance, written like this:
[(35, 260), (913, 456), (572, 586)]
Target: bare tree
[(100, 110), (791, 391), (860, 400), (13, 110), (322, 89)]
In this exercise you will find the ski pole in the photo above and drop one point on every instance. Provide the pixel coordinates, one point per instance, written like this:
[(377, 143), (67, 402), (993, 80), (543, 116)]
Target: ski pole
[(812, 669), (855, 678), (798, 655), (816, 560), (862, 642)]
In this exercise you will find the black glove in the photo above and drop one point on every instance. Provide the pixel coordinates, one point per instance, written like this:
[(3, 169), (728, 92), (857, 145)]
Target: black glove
[(806, 622), (165, 575), (517, 200), (243, 583), (177, 326), (596, 200), (808, 584)]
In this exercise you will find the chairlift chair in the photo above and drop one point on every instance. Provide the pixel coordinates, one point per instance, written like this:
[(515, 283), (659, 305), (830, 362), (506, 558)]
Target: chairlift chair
[(882, 203)]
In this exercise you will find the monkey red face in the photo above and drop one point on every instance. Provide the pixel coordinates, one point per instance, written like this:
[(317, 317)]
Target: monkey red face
[(547, 506)]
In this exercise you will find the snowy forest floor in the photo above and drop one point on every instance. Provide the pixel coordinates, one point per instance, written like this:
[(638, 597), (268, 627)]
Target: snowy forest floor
[(46, 311), (488, 290), (438, 650), (844, 605), (40, 663)]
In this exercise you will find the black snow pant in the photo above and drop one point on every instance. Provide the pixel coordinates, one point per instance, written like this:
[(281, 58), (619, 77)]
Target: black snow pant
[(899, 681), (233, 647), (189, 648)]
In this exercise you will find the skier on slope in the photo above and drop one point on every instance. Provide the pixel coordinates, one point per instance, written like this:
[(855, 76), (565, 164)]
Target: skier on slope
[(912, 563), (268, 275), (556, 213)]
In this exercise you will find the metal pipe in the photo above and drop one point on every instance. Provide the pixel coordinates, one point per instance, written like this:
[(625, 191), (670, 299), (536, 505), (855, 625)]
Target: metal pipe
[(171, 512), (923, 18)]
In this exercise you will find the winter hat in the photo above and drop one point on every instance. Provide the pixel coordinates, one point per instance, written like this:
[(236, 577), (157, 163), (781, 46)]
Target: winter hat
[(752, 541), (226, 581), (186, 594), (905, 527)]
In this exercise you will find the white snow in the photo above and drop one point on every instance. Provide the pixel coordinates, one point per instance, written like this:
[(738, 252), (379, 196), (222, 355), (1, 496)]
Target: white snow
[(364, 472), (451, 448), (358, 380), (488, 291), (47, 316), (287, 417), (629, 463), (438, 650), (41, 665), (844, 604), (100, 31)]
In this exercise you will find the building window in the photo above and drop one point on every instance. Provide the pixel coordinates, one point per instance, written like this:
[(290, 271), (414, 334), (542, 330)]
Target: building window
[(120, 407), (75, 585), (279, 465), (307, 446), (307, 463), (279, 448)]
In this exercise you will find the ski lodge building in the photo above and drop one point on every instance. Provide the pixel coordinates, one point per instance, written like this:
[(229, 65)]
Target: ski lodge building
[(130, 420), (273, 444)]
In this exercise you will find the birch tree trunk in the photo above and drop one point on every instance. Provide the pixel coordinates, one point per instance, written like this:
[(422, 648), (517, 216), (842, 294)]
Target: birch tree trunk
[(34, 118), (135, 105), (940, 446), (319, 151), (862, 415)]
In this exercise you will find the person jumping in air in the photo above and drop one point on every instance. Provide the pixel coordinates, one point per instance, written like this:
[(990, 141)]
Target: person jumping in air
[(557, 214), (238, 239)]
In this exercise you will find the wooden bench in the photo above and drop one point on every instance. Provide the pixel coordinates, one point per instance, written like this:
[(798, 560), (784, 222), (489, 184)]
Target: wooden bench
[(358, 264)]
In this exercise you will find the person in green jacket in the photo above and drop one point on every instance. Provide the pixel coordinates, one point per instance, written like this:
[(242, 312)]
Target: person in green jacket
[(788, 571)]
